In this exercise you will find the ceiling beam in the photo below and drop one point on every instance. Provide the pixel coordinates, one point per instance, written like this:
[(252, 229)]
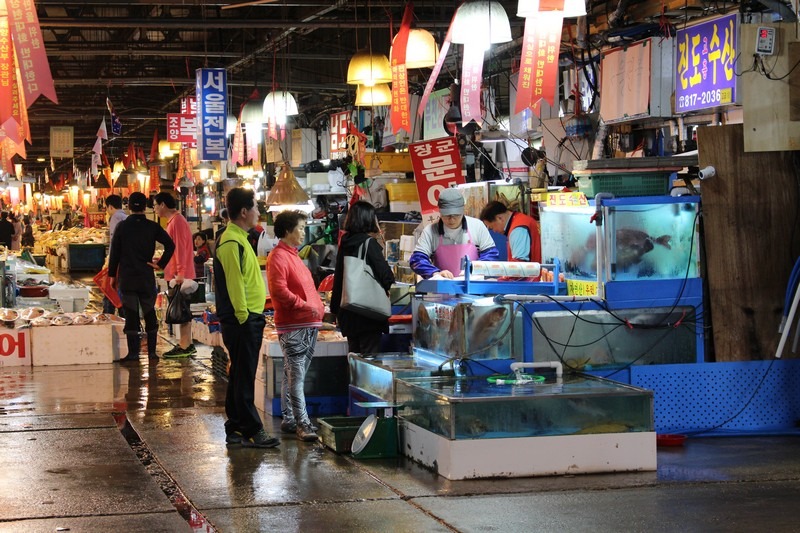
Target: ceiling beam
[(223, 23)]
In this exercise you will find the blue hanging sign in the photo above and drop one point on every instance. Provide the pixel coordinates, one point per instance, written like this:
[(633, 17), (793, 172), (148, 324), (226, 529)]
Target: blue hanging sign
[(212, 114), (704, 77)]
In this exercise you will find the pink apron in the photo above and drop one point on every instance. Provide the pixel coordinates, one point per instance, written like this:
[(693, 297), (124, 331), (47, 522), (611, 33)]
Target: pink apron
[(448, 256)]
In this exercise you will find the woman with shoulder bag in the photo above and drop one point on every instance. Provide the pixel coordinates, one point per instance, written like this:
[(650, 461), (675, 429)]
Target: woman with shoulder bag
[(363, 332)]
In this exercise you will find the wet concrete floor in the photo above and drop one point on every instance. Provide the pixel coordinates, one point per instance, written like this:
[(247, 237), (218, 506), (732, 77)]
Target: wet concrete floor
[(111, 448)]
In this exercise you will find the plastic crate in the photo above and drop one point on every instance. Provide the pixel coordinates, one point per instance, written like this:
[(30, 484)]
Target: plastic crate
[(624, 184), (337, 433)]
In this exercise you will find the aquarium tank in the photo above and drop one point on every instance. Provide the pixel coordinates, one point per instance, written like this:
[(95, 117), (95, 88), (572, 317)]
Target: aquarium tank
[(646, 238)]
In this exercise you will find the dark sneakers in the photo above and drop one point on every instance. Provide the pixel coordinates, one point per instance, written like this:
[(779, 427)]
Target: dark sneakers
[(260, 440), (288, 426), (233, 438), (177, 352), (129, 359), (306, 432)]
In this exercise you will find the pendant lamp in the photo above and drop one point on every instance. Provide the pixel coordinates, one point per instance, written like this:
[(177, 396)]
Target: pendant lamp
[(571, 8), (278, 105), (379, 94), (481, 22), (369, 69), (421, 50), (101, 182), (123, 179), (253, 111), (286, 190)]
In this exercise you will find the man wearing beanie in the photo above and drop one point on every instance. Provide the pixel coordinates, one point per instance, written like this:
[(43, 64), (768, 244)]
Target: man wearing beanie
[(131, 266), (443, 244)]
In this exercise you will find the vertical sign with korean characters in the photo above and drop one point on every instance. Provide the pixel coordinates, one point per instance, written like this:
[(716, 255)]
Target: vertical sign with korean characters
[(437, 166), (62, 141), (181, 127), (705, 76), (338, 131), (212, 114)]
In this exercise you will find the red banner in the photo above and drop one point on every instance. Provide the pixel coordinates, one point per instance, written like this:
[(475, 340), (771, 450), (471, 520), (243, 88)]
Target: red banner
[(437, 166), (339, 129), (29, 48), (400, 105), (237, 147), (471, 77), (181, 127), (7, 70), (538, 73)]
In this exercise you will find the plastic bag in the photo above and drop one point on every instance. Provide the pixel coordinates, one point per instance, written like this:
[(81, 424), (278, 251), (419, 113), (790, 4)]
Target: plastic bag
[(178, 310), (104, 284)]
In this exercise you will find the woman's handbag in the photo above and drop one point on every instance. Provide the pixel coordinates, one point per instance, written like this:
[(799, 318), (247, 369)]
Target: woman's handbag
[(361, 292), (178, 309)]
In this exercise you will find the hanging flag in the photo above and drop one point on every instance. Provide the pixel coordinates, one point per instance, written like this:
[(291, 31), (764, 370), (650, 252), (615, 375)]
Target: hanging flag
[(154, 148), (538, 72), (116, 123), (96, 161), (401, 118), (31, 58), (98, 146), (237, 146), (436, 69), (102, 133)]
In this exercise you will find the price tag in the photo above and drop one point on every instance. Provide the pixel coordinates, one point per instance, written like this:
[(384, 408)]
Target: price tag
[(579, 287)]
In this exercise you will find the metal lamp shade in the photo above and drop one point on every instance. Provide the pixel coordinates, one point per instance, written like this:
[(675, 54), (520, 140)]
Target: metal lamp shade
[(286, 190), (101, 182), (253, 112)]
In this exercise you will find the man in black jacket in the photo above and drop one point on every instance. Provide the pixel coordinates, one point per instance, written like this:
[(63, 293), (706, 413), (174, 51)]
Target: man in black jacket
[(131, 266), (6, 230)]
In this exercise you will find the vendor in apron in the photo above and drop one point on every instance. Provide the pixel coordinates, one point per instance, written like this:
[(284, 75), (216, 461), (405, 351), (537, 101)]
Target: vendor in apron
[(443, 245)]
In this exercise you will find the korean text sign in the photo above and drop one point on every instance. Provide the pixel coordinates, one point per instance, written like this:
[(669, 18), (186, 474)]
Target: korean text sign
[(704, 77), (437, 166), (212, 114)]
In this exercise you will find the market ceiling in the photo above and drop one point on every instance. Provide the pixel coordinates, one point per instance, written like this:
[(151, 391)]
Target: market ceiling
[(142, 55)]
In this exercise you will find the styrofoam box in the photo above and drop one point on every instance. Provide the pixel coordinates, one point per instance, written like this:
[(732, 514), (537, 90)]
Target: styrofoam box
[(59, 291), (15, 347), (404, 207), (72, 305), (323, 349), (72, 345)]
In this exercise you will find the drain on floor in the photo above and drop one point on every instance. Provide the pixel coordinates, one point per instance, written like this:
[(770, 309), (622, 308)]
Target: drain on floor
[(167, 484)]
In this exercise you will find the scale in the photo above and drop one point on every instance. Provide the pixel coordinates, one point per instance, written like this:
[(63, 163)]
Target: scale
[(377, 436)]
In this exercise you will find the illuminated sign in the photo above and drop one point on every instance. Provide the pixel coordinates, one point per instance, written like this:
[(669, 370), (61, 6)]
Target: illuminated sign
[(704, 75)]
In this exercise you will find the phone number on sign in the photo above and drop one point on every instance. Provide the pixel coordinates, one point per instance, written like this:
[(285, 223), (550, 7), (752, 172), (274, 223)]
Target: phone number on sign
[(717, 96)]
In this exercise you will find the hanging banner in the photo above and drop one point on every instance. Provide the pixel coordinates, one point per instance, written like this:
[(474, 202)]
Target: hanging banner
[(340, 127), (102, 132), (212, 114), (705, 65), (436, 69), (181, 127), (189, 105), (7, 70), (437, 166), (237, 148), (62, 141), (471, 78), (29, 48), (400, 104), (538, 73), (116, 123)]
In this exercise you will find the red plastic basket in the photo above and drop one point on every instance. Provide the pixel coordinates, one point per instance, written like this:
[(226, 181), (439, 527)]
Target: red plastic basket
[(104, 284)]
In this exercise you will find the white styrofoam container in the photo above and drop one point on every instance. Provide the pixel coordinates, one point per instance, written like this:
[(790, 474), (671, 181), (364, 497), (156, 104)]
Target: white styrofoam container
[(72, 305), (323, 349), (73, 345), (404, 207), (15, 347), (61, 291)]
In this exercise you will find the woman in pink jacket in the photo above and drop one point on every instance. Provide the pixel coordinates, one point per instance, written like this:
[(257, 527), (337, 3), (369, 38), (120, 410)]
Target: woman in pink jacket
[(298, 316)]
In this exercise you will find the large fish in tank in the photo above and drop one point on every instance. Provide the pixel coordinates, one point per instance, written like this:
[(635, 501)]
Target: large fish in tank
[(632, 246)]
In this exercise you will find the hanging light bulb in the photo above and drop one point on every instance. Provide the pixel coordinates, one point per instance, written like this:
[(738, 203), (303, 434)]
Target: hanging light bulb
[(379, 94), (421, 50), (368, 69), (278, 105), (481, 22), (205, 168)]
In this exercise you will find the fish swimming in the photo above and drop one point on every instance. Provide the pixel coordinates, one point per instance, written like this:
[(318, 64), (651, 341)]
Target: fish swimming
[(487, 328), (632, 245)]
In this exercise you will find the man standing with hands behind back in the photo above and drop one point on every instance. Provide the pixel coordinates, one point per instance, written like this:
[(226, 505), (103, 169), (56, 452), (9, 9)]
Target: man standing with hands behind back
[(240, 307), (131, 266), (181, 268)]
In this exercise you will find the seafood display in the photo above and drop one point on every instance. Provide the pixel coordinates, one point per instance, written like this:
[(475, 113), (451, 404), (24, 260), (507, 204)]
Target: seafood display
[(464, 329), (650, 241), (31, 313), (473, 408), (8, 315)]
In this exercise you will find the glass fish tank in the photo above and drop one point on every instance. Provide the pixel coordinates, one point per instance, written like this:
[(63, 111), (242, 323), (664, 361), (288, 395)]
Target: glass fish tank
[(597, 341), (465, 326), (376, 375), (647, 238), (473, 408)]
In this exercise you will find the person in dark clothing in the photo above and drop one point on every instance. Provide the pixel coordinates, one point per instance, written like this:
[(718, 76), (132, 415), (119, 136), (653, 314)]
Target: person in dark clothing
[(363, 334), (27, 233), (130, 268), (201, 254), (6, 230)]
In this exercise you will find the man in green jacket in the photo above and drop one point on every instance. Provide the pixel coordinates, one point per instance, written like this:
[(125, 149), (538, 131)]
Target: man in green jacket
[(240, 296)]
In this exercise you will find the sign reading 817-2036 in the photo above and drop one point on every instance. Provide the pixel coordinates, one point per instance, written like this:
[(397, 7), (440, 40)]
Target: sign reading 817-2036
[(704, 74)]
